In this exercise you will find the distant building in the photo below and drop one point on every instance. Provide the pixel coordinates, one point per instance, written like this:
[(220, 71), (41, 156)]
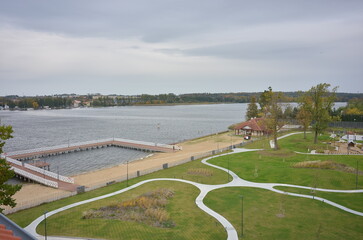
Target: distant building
[(253, 127), (87, 104), (76, 103)]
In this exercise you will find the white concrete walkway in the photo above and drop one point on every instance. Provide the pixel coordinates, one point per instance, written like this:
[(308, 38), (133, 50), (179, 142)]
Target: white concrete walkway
[(204, 190)]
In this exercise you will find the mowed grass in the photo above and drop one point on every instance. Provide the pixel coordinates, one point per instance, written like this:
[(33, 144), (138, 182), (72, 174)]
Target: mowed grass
[(269, 215), (190, 221), (350, 200), (277, 166), (25, 217), (298, 143), (293, 143), (301, 218)]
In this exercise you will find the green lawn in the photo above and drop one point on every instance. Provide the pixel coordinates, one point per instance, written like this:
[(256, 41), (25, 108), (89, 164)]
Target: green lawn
[(276, 167), (299, 144), (293, 143), (191, 222), (351, 200), (302, 219), (25, 217)]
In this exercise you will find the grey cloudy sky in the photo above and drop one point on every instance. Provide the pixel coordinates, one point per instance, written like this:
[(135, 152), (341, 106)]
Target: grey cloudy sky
[(160, 46)]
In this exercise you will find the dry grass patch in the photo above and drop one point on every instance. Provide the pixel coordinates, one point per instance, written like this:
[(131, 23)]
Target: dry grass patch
[(200, 172), (331, 165), (148, 208), (280, 153)]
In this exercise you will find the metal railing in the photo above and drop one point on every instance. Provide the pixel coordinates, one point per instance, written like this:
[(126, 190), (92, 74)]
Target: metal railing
[(42, 171), (100, 141), (35, 177)]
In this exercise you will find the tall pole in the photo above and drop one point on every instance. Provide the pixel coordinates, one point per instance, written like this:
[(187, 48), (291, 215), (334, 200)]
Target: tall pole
[(45, 225), (127, 176), (241, 216), (228, 165), (356, 177)]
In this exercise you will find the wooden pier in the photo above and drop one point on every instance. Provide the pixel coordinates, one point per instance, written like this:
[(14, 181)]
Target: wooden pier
[(41, 175), (122, 143)]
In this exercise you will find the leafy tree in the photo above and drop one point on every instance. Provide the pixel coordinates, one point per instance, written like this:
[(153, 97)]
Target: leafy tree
[(322, 100), (265, 98), (288, 112), (252, 110), (273, 115), (35, 105), (304, 115), (354, 107), (6, 190)]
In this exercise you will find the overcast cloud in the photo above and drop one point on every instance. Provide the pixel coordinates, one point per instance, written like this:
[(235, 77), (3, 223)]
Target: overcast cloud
[(133, 47)]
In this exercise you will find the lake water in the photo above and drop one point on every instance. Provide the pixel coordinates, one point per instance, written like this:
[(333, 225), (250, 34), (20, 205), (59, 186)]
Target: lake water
[(33, 129)]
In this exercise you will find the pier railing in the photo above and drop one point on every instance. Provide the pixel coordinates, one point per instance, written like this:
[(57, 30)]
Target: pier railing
[(175, 147), (44, 149), (49, 173), (39, 170), (93, 142), (36, 178)]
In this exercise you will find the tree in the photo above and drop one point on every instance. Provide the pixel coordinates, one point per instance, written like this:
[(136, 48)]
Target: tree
[(304, 115), (265, 98), (6, 190), (252, 110), (273, 114), (288, 112), (322, 101), (35, 105)]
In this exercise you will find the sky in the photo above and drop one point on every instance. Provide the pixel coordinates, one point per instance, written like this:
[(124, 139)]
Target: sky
[(188, 46)]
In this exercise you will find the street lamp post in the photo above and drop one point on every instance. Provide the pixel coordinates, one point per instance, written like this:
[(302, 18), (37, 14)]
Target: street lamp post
[(356, 177), (228, 165), (127, 174), (242, 216), (45, 225)]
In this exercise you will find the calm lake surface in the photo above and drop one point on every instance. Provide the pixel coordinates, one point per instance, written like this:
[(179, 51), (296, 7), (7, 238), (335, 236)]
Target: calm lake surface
[(34, 129)]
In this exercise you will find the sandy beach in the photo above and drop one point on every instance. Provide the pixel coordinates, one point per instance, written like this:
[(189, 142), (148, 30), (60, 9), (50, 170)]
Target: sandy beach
[(32, 193)]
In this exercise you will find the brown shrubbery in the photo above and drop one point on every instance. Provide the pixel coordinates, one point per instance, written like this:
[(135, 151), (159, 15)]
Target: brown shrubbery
[(200, 172), (327, 165), (148, 208)]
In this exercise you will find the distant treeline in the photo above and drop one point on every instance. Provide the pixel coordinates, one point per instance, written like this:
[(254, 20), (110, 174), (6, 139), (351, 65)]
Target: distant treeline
[(69, 101)]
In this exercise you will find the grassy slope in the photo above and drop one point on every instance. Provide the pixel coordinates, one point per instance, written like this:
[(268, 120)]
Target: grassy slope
[(350, 200), (25, 217), (276, 166), (303, 217), (191, 222), (293, 143)]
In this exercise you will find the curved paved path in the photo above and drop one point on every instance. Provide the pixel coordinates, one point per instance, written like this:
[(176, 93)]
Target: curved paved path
[(204, 190)]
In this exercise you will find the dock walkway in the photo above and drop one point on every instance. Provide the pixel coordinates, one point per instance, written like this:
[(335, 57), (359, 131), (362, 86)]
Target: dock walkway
[(113, 142), (48, 178)]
